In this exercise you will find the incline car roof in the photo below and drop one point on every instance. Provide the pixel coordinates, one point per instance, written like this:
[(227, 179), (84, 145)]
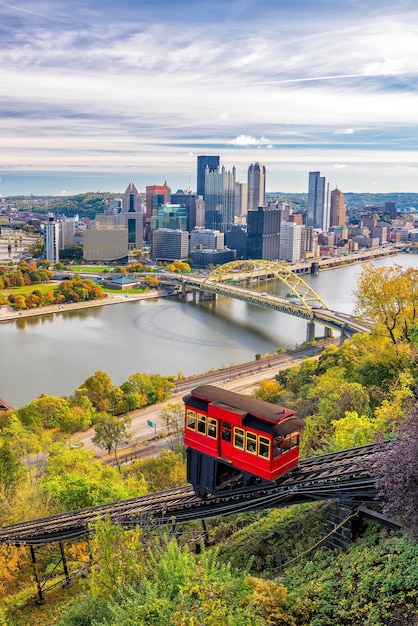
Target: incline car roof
[(244, 404)]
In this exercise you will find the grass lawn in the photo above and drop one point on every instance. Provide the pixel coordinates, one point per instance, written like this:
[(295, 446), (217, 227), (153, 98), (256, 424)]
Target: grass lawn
[(92, 269), (17, 291)]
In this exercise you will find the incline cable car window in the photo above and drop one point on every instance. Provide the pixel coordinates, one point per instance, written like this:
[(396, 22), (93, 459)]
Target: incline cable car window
[(239, 438), (201, 423), (191, 420), (226, 431), (264, 447), (251, 443), (212, 428)]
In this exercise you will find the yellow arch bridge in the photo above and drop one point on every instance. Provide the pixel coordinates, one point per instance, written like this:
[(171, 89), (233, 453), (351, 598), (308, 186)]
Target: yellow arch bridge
[(235, 279)]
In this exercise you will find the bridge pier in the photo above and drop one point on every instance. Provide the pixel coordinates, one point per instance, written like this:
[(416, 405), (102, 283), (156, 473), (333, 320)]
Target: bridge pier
[(206, 296), (327, 332), (310, 332)]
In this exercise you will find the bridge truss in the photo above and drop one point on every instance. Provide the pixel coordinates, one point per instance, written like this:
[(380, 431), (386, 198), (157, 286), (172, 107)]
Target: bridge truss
[(298, 291)]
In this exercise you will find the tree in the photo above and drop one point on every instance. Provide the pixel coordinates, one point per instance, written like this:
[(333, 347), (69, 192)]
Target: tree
[(110, 431), (269, 391), (87, 482), (389, 297), (173, 415), (100, 390), (396, 471), (11, 470)]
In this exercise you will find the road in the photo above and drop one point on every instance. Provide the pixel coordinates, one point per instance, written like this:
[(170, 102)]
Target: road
[(147, 424)]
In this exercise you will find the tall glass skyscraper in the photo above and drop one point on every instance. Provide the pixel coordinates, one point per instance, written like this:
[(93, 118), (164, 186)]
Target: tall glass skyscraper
[(318, 201), (212, 162)]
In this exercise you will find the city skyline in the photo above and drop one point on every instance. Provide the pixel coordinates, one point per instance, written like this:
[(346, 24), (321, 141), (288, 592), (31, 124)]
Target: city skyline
[(96, 94)]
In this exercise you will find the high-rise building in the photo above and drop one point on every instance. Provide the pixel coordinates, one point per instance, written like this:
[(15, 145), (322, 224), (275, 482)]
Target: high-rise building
[(241, 202), (337, 211), (290, 241), (52, 231), (155, 195), (105, 244), (172, 216), (133, 216), (318, 201), (203, 162), (256, 186), (263, 234), (219, 199), (170, 245), (188, 199)]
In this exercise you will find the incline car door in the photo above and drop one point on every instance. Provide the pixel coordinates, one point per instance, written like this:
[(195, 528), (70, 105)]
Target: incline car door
[(225, 441)]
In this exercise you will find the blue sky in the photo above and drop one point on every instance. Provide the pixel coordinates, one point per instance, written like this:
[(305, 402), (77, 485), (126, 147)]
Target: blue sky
[(92, 93)]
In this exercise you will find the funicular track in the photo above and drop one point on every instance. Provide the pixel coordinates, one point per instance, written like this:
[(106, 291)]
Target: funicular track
[(341, 475)]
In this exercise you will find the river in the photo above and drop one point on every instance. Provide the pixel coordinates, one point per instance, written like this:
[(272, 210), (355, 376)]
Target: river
[(55, 354)]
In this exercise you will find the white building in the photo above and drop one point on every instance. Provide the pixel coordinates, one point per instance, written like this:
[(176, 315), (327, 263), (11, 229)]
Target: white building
[(52, 233), (290, 241)]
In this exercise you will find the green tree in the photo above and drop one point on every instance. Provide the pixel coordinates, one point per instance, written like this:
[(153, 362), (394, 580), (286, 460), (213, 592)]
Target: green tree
[(11, 470), (74, 480), (111, 431)]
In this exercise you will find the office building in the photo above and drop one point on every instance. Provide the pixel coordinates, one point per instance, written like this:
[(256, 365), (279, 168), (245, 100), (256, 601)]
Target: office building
[(170, 245), (203, 258), (155, 195), (290, 241), (172, 216), (256, 186), (236, 239), (52, 231), (66, 233), (337, 210), (203, 162), (318, 201), (105, 244), (263, 234), (188, 199), (241, 203), (206, 239), (219, 199), (133, 216)]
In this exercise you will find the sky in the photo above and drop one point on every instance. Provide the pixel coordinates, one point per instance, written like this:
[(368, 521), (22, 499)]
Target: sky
[(94, 94)]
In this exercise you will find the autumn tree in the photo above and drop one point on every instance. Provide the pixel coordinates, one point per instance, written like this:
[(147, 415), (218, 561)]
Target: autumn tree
[(389, 297), (111, 431), (101, 392), (269, 391), (173, 416)]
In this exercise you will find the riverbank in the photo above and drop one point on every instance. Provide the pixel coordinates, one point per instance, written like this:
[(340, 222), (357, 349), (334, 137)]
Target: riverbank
[(8, 314)]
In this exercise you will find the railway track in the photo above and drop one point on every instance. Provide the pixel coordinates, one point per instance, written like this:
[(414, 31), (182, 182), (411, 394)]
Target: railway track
[(342, 475)]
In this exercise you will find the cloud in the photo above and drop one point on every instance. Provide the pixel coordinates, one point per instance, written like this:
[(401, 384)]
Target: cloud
[(247, 140), (344, 131)]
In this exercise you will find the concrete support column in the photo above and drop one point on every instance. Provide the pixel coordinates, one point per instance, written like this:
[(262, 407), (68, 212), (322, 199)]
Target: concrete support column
[(327, 333), (310, 331), (206, 296)]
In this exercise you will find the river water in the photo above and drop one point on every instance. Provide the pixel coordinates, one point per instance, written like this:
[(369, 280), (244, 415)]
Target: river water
[(55, 354)]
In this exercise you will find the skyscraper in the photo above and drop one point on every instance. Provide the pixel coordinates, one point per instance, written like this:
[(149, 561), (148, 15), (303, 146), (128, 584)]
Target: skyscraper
[(52, 230), (256, 186), (318, 201), (133, 216), (212, 162), (337, 212), (263, 234), (219, 199)]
